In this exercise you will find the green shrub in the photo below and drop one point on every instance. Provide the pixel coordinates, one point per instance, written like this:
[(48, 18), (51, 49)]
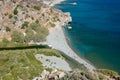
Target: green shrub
[(37, 8), (15, 11), (25, 25), (8, 29), (10, 16), (32, 18), (34, 26), (27, 6), (37, 21)]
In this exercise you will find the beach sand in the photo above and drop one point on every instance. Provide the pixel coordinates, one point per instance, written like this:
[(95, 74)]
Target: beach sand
[(57, 40)]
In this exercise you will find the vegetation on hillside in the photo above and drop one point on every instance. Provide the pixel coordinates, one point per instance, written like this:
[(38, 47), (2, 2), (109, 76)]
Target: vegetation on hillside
[(22, 64), (107, 72), (34, 32), (24, 15)]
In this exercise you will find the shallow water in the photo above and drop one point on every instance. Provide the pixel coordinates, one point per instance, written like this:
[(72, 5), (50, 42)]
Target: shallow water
[(96, 31)]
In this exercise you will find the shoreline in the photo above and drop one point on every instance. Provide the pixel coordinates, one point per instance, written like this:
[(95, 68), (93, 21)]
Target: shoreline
[(57, 40), (68, 42)]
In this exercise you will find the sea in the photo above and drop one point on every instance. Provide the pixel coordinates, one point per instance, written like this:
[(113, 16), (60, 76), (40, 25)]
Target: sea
[(95, 33)]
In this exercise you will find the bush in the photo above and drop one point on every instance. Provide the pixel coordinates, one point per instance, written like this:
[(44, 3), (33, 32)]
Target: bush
[(10, 16), (25, 25), (34, 26), (37, 21), (8, 29), (15, 11), (37, 8)]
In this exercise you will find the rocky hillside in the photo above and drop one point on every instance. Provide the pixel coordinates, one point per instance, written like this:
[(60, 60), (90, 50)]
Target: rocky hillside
[(78, 75), (28, 17)]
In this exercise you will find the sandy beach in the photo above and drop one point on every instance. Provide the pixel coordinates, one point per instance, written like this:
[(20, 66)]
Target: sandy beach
[(57, 40)]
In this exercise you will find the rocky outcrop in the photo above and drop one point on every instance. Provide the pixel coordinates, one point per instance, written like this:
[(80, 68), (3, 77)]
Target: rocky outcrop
[(74, 75), (54, 75)]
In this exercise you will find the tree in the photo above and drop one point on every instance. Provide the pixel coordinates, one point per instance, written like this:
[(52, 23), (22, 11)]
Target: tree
[(4, 42), (17, 37), (39, 37), (42, 30), (15, 10), (34, 26), (40, 33), (29, 35)]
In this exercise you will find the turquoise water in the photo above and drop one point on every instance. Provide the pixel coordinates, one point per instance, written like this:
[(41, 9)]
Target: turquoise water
[(96, 31)]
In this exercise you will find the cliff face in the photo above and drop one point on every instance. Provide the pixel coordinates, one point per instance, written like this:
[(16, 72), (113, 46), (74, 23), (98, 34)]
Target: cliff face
[(17, 14)]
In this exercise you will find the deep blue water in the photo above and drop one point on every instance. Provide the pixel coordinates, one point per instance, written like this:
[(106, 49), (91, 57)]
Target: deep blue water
[(96, 31)]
